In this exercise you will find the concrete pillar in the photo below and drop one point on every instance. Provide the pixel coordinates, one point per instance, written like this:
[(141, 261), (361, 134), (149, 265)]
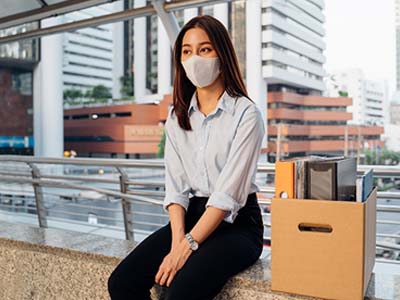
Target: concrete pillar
[(164, 60), (256, 85), (221, 13), (140, 49), (118, 52), (37, 100), (168, 30), (48, 96)]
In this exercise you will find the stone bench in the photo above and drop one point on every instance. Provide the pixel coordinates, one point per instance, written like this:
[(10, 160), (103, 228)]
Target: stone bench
[(39, 263)]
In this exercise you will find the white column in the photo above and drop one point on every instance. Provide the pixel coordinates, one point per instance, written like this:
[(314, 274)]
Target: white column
[(48, 97), (256, 85), (140, 49), (221, 13), (164, 60), (37, 100), (118, 52), (189, 13)]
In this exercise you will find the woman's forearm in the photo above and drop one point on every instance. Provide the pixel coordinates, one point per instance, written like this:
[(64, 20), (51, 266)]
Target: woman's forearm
[(207, 223), (177, 219)]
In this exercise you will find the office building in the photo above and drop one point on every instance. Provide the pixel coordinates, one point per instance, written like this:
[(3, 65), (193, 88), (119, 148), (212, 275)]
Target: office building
[(301, 125), (123, 131), (370, 97), (17, 61), (392, 130), (397, 24), (88, 53), (292, 45)]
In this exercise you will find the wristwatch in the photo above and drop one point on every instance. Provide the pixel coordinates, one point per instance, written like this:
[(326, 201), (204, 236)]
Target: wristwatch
[(193, 244)]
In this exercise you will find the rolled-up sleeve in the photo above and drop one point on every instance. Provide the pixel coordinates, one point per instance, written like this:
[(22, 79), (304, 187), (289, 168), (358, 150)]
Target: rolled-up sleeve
[(176, 181), (234, 182)]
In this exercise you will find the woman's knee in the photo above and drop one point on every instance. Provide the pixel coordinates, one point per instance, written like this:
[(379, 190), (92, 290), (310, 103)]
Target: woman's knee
[(118, 282), (189, 288), (112, 284), (121, 287)]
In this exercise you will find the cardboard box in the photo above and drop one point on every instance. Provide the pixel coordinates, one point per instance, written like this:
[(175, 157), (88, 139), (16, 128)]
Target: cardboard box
[(323, 248)]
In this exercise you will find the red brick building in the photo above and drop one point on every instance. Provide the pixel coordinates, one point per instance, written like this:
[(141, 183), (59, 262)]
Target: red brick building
[(300, 125), (130, 130), (16, 111)]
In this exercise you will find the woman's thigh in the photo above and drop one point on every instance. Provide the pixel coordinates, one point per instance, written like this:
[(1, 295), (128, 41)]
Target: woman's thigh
[(140, 266), (223, 255)]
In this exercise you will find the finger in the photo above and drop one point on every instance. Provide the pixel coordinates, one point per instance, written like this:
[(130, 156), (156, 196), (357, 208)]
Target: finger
[(161, 269), (171, 277), (158, 275), (164, 277)]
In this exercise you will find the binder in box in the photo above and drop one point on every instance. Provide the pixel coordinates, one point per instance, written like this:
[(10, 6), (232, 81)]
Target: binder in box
[(323, 248)]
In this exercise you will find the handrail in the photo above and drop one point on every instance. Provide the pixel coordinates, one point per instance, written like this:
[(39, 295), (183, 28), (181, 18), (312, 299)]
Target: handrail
[(127, 193)]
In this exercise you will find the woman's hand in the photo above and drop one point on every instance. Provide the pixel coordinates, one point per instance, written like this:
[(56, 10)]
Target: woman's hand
[(173, 262)]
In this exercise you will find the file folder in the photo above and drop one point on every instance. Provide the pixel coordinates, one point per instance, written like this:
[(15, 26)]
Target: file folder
[(332, 179), (284, 179)]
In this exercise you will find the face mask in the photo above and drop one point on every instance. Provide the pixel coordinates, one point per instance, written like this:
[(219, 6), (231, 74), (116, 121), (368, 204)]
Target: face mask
[(202, 71)]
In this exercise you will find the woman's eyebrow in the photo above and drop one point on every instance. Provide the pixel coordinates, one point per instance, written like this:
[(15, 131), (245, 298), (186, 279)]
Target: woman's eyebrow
[(202, 43)]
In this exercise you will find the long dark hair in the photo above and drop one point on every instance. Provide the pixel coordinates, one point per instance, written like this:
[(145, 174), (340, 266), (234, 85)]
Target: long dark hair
[(230, 72)]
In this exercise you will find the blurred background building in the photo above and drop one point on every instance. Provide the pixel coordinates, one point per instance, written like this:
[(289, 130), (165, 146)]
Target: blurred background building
[(370, 97), (88, 53), (397, 24), (118, 77), (17, 62)]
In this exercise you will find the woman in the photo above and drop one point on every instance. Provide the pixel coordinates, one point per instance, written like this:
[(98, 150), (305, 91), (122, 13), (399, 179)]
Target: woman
[(213, 139)]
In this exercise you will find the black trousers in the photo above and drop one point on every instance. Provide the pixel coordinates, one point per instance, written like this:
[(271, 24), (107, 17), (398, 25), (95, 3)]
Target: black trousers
[(231, 248)]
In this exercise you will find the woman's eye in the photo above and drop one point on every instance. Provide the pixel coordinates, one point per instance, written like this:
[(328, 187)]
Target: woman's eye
[(185, 51), (206, 50)]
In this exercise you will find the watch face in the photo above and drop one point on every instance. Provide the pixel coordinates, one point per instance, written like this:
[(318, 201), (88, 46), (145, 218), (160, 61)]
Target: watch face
[(195, 246)]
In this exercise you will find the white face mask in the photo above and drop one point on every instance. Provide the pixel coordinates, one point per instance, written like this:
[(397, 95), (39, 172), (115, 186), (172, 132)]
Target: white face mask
[(202, 71)]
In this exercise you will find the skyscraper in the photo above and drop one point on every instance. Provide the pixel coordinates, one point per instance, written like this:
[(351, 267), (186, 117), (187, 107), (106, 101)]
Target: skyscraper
[(398, 44), (88, 52), (293, 45), (292, 42), (370, 97)]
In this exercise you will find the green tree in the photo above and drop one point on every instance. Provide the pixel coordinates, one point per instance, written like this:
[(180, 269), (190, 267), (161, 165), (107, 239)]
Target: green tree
[(88, 94), (126, 85), (72, 94), (100, 92), (161, 145), (343, 94), (382, 157)]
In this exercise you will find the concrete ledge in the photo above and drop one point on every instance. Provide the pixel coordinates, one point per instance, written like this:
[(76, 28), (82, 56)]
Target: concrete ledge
[(38, 263)]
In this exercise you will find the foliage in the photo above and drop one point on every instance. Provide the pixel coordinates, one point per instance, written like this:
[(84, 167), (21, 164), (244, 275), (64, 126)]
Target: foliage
[(71, 94), (161, 146), (382, 157), (343, 94), (100, 92), (126, 85)]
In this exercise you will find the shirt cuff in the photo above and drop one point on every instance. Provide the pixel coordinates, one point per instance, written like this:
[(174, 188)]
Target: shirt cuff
[(176, 198), (223, 201)]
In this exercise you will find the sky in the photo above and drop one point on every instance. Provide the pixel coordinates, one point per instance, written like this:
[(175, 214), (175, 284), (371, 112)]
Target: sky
[(361, 34)]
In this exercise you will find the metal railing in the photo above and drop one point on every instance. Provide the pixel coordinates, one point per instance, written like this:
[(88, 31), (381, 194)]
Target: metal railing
[(79, 189)]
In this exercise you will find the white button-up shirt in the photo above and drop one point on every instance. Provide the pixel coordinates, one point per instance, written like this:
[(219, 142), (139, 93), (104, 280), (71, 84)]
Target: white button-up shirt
[(218, 158)]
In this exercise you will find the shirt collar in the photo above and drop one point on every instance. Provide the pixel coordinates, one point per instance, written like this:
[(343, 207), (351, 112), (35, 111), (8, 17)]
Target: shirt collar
[(225, 103)]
